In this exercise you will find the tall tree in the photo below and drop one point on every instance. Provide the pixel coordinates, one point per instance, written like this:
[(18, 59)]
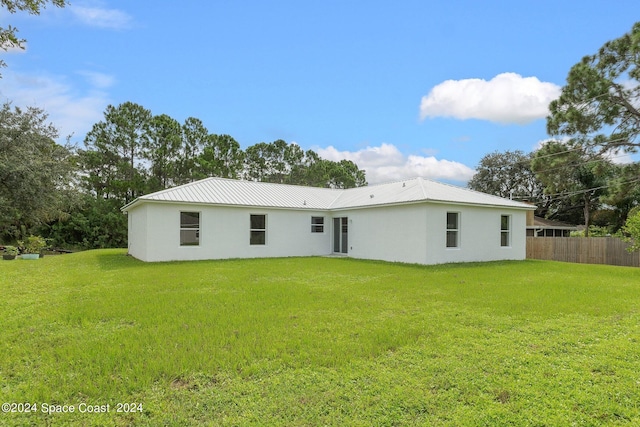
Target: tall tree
[(8, 37), (119, 141), (508, 175), (162, 150), (221, 156), (306, 169), (574, 178), (346, 174), (602, 96), (284, 163), (35, 172), (267, 162), (194, 138)]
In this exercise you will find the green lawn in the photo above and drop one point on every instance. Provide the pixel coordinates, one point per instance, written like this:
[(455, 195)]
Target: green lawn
[(318, 341)]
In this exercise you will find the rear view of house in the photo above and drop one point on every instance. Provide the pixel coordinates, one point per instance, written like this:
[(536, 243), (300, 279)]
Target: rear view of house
[(414, 220)]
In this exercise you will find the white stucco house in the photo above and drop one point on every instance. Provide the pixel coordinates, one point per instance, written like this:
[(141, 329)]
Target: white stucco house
[(414, 221)]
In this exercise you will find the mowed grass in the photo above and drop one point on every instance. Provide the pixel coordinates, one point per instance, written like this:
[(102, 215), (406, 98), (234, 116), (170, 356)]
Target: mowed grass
[(319, 341)]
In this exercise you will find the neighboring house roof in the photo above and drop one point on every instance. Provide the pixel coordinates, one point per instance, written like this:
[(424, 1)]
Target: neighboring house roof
[(231, 192), (539, 222)]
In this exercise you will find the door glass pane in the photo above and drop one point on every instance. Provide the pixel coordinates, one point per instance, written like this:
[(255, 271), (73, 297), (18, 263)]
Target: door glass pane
[(345, 239), (336, 234)]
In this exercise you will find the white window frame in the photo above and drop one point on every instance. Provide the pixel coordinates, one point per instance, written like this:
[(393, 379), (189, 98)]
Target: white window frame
[(184, 227), (505, 233), (253, 230), (317, 227), (455, 230)]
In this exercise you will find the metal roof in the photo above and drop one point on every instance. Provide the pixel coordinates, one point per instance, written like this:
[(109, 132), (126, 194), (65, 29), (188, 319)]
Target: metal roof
[(231, 192)]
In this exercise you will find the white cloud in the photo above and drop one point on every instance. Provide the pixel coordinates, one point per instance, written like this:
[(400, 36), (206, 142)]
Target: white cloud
[(507, 98), (386, 163), (102, 17), (70, 110), (620, 158), (538, 145), (97, 79)]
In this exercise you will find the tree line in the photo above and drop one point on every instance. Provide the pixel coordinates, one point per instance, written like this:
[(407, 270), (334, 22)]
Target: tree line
[(73, 195), (132, 152), (566, 184)]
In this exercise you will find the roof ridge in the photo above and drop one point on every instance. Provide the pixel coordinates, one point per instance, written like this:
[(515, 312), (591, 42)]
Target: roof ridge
[(421, 180), (340, 191)]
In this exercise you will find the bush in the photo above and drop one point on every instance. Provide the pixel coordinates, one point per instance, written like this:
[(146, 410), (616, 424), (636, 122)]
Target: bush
[(33, 244), (10, 250), (631, 230), (97, 223)]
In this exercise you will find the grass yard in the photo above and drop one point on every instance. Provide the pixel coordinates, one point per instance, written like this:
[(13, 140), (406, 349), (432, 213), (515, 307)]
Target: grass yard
[(317, 341)]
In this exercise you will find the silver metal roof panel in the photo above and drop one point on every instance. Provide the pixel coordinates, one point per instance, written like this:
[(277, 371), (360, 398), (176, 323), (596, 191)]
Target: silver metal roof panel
[(222, 191)]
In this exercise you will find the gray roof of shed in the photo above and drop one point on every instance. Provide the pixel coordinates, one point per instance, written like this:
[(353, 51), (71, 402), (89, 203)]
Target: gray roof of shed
[(539, 222), (231, 192)]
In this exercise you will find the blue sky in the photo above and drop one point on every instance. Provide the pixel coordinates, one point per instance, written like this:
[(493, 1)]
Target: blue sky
[(404, 88)]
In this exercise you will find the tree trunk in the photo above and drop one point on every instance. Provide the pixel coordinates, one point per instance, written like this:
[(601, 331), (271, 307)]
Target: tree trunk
[(587, 209)]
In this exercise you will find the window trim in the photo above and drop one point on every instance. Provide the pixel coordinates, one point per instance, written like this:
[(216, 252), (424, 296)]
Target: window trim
[(317, 227), (505, 232), (197, 229), (252, 230), (455, 231)]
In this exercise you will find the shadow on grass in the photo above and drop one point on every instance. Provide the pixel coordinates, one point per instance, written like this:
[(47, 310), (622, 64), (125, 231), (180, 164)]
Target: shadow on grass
[(118, 260), (434, 267)]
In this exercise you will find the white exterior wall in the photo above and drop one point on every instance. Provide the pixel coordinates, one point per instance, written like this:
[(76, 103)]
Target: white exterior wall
[(390, 233), (479, 234), (416, 233), (225, 233), (137, 232), (412, 233)]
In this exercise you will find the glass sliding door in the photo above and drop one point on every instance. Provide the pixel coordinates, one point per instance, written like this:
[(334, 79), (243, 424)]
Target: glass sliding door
[(341, 235)]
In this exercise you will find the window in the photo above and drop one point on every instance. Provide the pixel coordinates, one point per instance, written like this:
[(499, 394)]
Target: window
[(317, 224), (189, 228), (453, 225), (505, 230), (258, 230)]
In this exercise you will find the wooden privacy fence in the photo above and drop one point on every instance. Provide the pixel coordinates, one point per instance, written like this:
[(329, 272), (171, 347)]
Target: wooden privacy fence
[(586, 250)]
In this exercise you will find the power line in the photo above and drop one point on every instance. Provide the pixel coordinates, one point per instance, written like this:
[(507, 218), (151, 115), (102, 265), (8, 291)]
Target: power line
[(559, 153), (566, 194), (603, 159)]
